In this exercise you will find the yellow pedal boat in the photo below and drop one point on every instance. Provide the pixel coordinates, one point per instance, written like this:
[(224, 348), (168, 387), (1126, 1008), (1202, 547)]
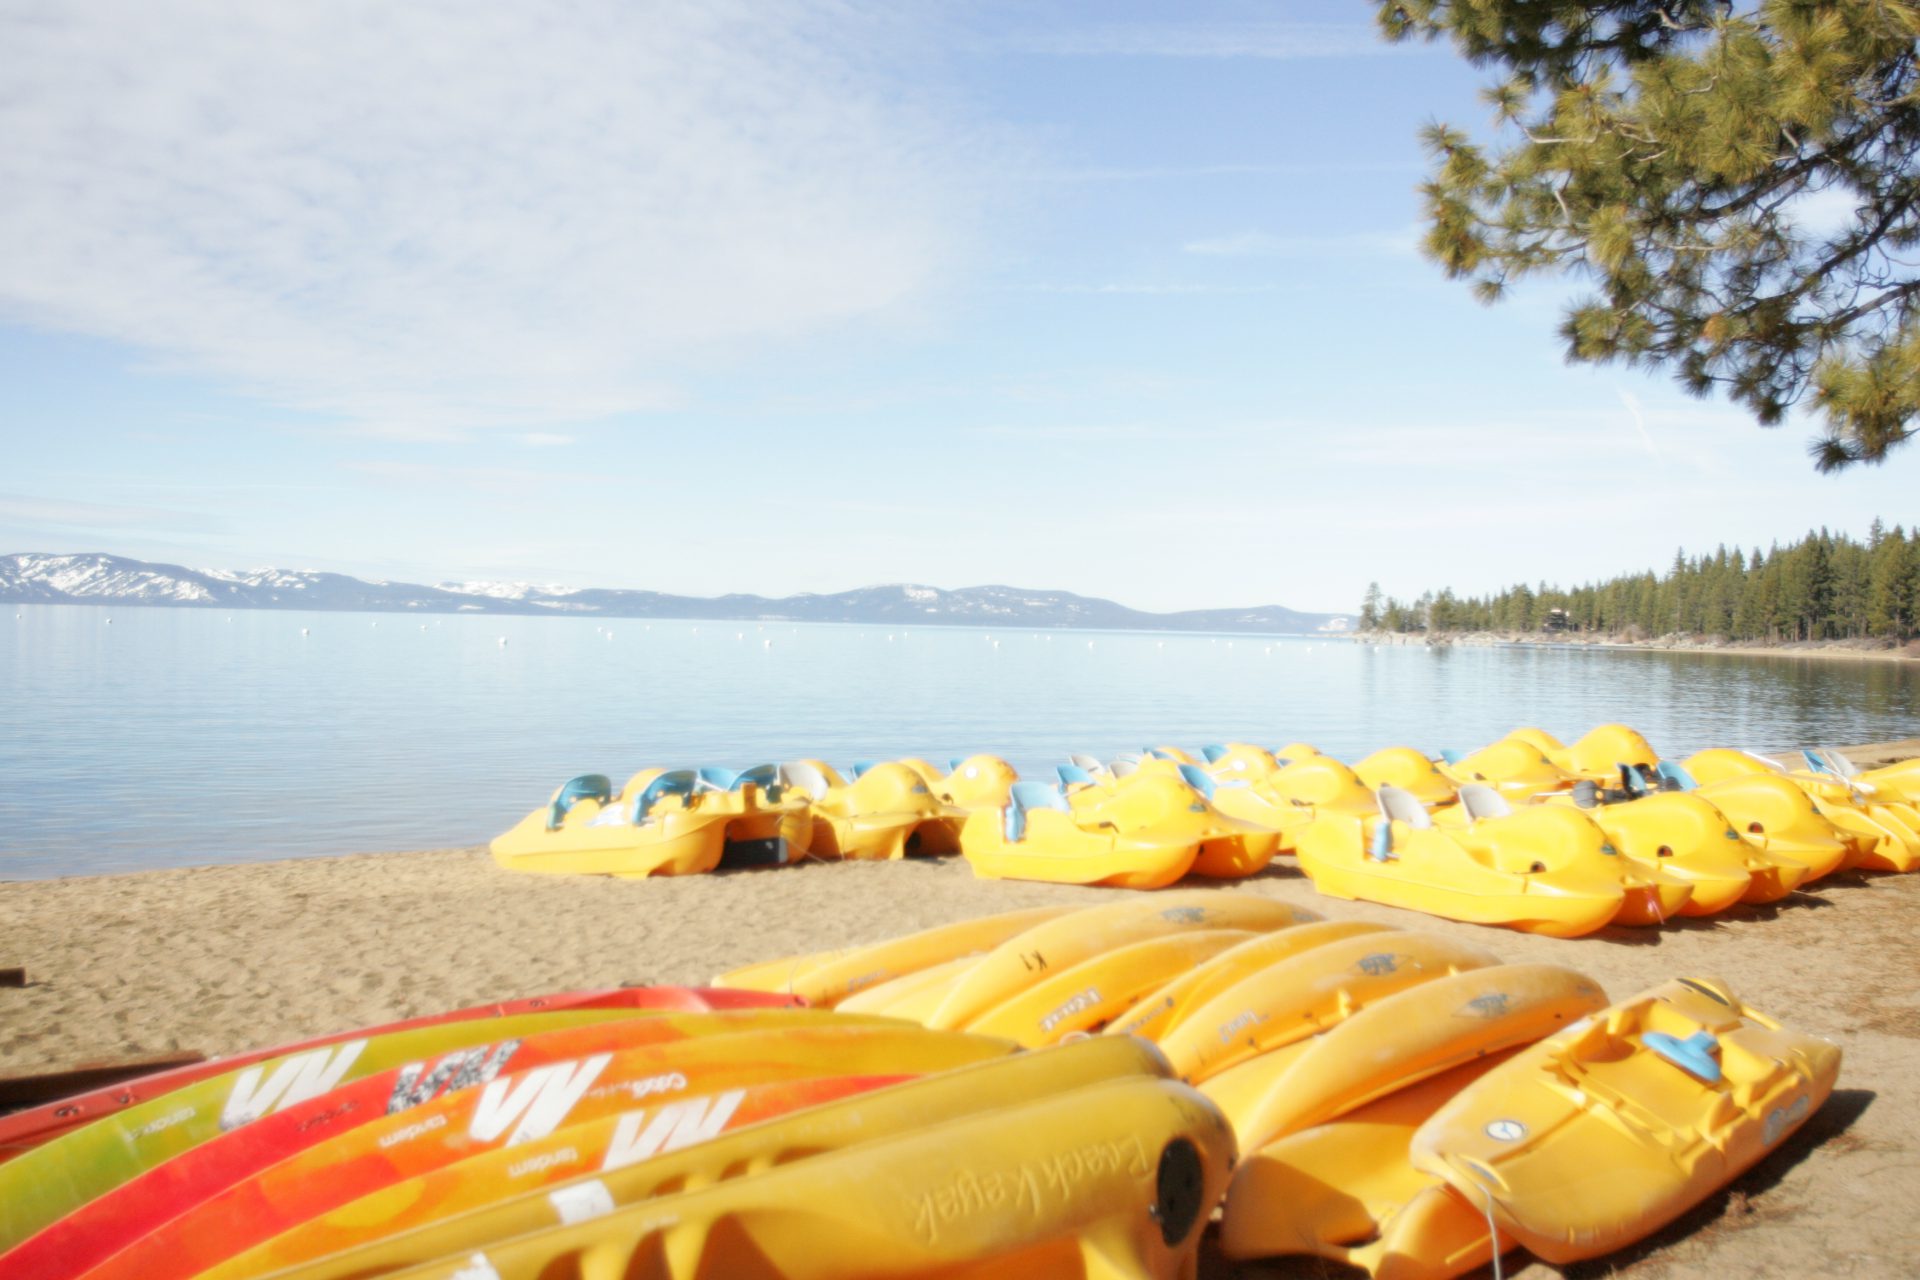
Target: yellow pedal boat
[(1772, 813), (1884, 831), (1596, 754), (888, 812), (1688, 838), (1239, 760), (1409, 770), (1141, 837), (977, 782), (1609, 1130), (663, 822), (1515, 767), (1544, 869)]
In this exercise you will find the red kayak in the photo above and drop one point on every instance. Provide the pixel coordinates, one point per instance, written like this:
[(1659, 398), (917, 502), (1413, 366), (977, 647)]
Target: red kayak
[(103, 1226), (508, 1111), (24, 1130)]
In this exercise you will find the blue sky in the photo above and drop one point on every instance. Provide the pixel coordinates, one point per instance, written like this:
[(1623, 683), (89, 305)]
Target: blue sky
[(727, 296)]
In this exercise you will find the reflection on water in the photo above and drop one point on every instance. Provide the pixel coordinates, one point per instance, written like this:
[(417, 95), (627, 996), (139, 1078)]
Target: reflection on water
[(168, 736)]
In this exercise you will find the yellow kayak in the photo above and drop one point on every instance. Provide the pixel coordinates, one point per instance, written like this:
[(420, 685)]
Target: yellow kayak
[(1027, 959), (1414, 1034), (824, 979), (1189, 991), (1303, 996), (1346, 1191), (1614, 1127), (444, 1214), (1085, 997), (1110, 1180)]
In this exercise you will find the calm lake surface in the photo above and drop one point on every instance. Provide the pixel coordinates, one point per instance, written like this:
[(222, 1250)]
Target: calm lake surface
[(133, 738)]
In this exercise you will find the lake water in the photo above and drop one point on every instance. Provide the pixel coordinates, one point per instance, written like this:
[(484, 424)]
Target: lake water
[(147, 737)]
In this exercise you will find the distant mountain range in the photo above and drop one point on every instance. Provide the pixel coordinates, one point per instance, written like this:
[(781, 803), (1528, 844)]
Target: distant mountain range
[(103, 579)]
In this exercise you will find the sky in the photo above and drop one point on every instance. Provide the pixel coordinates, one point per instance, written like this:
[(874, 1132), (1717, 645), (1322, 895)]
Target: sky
[(725, 295)]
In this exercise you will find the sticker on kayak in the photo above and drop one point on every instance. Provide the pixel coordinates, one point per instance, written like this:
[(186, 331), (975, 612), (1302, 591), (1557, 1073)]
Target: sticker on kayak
[(1492, 1005), (1378, 963), (1078, 1004), (1506, 1130), (476, 1268), (532, 1105), (582, 1202), (1781, 1119), (297, 1079)]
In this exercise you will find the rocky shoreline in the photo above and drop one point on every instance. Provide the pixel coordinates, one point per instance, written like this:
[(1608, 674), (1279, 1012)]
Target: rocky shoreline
[(1846, 650)]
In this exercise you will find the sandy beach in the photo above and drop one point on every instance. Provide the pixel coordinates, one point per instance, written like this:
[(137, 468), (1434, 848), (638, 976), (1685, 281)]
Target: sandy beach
[(220, 958)]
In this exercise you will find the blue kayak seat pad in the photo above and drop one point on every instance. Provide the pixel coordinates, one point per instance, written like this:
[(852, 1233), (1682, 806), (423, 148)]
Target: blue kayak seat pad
[(1212, 752), (1382, 848), (588, 786), (1694, 1055), (1676, 774), (1199, 779), (1072, 774), (1023, 796), (764, 776), (675, 782)]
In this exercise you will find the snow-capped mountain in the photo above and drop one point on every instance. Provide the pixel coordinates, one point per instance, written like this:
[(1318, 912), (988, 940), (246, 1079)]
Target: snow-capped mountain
[(105, 579)]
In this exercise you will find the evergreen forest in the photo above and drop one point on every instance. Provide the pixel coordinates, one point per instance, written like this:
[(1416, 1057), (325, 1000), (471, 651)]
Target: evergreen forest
[(1826, 586)]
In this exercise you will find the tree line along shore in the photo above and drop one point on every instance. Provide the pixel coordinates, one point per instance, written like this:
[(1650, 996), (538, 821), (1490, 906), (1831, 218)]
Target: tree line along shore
[(1827, 587)]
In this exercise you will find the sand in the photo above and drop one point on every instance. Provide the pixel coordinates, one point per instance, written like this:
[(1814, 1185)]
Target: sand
[(221, 958)]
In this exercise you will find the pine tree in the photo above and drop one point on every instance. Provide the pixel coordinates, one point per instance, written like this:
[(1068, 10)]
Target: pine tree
[(1893, 577), (1657, 148), (1370, 608)]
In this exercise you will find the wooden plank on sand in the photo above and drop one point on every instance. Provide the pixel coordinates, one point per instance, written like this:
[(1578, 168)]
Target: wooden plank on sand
[(48, 1086)]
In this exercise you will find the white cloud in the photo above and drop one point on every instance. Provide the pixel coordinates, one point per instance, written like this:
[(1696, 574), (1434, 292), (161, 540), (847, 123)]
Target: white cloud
[(1148, 290), (34, 513), (1281, 40), (1261, 244), (1822, 213), (436, 216)]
